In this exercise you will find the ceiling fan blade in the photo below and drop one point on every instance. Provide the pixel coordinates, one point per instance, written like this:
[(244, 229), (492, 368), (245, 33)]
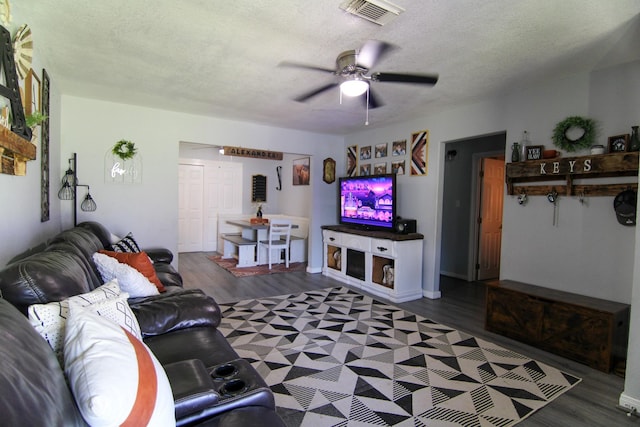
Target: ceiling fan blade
[(305, 66), (317, 91), (429, 79), (374, 100), (372, 52)]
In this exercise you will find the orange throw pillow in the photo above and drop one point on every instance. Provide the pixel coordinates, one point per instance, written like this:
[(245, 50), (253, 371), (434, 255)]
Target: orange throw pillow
[(141, 262)]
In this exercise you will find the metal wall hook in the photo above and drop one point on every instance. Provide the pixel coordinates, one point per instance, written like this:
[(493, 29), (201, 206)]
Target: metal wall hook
[(552, 196), (581, 198), (522, 198)]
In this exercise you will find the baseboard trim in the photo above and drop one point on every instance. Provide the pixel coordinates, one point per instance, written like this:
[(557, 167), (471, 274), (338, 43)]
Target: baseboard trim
[(630, 403), (314, 270), (431, 294)]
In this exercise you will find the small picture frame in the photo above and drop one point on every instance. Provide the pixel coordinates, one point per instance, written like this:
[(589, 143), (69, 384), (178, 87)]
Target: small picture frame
[(398, 167), (534, 152), (619, 143), (365, 170), (301, 173), (379, 168), (399, 148), (329, 170), (32, 101), (381, 150), (365, 153)]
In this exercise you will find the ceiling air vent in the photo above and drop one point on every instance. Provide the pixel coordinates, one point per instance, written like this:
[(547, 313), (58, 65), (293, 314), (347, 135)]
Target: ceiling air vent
[(378, 11)]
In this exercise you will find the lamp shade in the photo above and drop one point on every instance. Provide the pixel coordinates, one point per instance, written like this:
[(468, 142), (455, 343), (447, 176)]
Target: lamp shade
[(69, 177), (354, 87), (88, 204), (66, 192)]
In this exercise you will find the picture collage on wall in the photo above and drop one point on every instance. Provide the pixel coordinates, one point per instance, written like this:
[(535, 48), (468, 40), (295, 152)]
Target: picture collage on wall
[(390, 157)]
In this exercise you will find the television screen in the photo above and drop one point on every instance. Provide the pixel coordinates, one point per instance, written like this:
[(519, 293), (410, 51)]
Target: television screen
[(368, 201)]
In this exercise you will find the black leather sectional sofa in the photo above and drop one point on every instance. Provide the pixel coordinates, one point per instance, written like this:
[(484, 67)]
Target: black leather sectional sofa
[(211, 385)]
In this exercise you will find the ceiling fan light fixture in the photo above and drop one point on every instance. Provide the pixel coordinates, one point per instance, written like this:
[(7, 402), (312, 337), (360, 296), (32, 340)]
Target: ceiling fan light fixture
[(355, 87)]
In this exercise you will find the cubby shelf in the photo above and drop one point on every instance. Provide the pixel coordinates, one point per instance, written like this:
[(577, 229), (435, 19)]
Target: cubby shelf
[(568, 169)]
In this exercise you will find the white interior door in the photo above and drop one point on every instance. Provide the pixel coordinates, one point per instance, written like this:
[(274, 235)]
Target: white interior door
[(190, 208), (490, 235), (222, 195), (206, 190)]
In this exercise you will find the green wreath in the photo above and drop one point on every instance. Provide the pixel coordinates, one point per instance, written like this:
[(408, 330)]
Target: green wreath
[(561, 140), (124, 149)]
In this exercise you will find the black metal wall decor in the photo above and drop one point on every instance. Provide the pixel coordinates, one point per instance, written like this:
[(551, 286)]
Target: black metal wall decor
[(44, 150), (12, 91)]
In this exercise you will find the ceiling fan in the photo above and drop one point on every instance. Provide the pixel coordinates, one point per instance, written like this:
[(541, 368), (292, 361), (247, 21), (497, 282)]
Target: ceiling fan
[(353, 73)]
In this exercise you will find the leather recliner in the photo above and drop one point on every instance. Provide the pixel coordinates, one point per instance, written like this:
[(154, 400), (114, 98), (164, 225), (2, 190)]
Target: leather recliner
[(179, 326)]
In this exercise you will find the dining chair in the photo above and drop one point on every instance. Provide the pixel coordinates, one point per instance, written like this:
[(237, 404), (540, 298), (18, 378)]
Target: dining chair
[(279, 236)]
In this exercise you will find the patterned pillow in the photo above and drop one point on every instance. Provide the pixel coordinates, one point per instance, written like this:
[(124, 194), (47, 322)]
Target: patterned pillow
[(130, 280), (50, 319), (114, 377), (141, 262), (126, 244)]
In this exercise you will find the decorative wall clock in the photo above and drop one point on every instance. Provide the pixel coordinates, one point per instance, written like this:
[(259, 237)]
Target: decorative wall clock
[(23, 50)]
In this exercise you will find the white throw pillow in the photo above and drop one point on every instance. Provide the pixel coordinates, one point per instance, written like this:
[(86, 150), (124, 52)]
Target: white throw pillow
[(50, 319), (130, 280), (114, 377)]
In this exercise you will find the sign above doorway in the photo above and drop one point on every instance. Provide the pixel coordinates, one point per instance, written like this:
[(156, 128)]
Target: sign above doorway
[(252, 152)]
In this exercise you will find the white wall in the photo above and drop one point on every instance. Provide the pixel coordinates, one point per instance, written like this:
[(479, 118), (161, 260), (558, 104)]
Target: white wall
[(21, 227), (588, 252), (149, 210)]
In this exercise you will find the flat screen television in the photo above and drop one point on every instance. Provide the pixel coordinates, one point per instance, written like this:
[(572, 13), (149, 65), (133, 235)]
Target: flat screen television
[(368, 202)]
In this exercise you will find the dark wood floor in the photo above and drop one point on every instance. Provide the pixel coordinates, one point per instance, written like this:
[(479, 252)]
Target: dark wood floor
[(591, 403)]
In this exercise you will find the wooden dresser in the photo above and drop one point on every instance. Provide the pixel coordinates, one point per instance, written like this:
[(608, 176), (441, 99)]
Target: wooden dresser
[(588, 330)]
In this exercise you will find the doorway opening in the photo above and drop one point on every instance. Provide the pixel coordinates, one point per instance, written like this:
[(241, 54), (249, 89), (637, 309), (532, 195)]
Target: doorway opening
[(473, 193)]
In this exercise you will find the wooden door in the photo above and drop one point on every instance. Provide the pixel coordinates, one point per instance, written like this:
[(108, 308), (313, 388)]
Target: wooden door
[(490, 221)]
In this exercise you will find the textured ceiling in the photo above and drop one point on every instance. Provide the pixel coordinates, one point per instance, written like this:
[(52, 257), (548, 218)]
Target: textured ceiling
[(220, 58)]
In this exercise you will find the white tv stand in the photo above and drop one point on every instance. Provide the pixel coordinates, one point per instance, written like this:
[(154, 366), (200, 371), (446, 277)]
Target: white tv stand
[(382, 263)]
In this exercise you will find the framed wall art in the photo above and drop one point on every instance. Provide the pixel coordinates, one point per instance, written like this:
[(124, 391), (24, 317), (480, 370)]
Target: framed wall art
[(379, 168), (352, 160), (301, 169), (329, 170), (381, 150), (619, 143), (419, 150), (534, 152), (398, 167), (365, 153), (32, 99), (399, 148)]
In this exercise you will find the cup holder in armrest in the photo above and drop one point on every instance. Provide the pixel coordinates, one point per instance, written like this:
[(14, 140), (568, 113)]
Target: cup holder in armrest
[(239, 385), (227, 370), (233, 387)]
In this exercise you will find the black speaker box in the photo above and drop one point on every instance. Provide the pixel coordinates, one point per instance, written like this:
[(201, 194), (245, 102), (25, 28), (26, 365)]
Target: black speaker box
[(405, 226)]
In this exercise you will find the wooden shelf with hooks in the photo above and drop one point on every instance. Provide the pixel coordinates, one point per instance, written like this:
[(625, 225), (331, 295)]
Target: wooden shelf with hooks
[(566, 170), (15, 151)]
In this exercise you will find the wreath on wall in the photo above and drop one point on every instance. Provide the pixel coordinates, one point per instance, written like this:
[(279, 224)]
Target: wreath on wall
[(124, 149), (560, 138)]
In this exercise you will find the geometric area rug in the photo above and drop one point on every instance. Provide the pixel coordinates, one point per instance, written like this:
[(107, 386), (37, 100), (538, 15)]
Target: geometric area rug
[(335, 357)]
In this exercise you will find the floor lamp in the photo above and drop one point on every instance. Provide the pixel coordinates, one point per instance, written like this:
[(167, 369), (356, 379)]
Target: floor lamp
[(69, 190)]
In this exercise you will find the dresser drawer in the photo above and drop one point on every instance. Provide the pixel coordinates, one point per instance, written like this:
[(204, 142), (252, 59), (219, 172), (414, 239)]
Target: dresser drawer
[(383, 247), (331, 237)]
